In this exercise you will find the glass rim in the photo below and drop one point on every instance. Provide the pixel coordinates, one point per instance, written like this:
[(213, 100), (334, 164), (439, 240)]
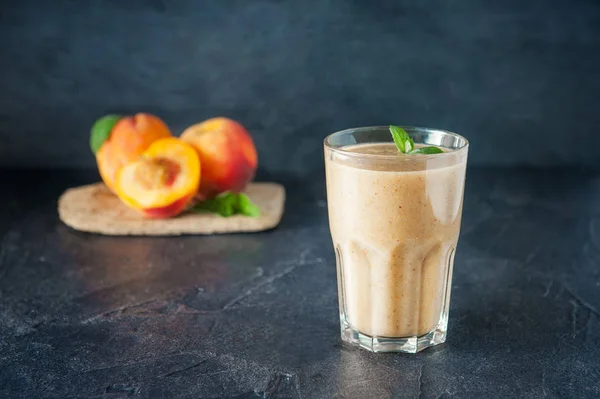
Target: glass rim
[(340, 150)]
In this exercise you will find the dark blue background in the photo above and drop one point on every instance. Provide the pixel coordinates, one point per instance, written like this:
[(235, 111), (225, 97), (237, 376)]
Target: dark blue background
[(519, 78)]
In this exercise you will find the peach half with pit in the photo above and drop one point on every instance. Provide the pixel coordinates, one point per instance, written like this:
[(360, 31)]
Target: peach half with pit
[(163, 181), (227, 154)]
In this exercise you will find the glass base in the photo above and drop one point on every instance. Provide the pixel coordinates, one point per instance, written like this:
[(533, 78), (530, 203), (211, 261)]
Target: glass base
[(384, 344)]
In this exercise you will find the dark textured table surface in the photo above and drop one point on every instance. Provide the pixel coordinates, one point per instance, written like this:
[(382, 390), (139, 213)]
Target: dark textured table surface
[(242, 316)]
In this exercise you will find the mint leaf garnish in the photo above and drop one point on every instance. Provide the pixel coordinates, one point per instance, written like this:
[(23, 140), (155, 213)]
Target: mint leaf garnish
[(100, 131), (206, 206), (246, 206), (403, 141), (227, 204), (427, 150), (406, 145), (223, 205)]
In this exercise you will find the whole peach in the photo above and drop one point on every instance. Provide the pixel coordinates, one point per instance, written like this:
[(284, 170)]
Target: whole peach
[(227, 154)]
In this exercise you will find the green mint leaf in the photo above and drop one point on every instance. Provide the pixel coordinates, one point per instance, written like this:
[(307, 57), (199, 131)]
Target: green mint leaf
[(403, 141), (427, 150), (246, 206), (227, 204), (100, 131), (223, 205), (206, 206)]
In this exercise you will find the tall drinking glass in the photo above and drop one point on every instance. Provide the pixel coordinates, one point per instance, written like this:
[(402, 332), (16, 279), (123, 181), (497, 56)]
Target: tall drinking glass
[(394, 220)]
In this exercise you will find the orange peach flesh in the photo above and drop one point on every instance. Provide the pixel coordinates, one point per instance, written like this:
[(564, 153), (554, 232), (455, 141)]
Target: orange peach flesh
[(163, 181), (155, 173)]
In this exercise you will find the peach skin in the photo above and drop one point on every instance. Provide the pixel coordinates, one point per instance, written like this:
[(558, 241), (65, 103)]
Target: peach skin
[(117, 141), (227, 154), (162, 182)]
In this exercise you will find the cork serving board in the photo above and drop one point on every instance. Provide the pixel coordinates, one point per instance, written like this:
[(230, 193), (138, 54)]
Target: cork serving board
[(93, 208)]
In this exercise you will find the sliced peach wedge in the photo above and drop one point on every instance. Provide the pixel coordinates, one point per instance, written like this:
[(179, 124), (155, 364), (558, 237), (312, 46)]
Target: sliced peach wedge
[(162, 182)]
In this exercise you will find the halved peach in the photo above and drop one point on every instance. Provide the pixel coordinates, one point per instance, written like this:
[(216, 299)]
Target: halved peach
[(162, 182), (127, 139), (227, 154)]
